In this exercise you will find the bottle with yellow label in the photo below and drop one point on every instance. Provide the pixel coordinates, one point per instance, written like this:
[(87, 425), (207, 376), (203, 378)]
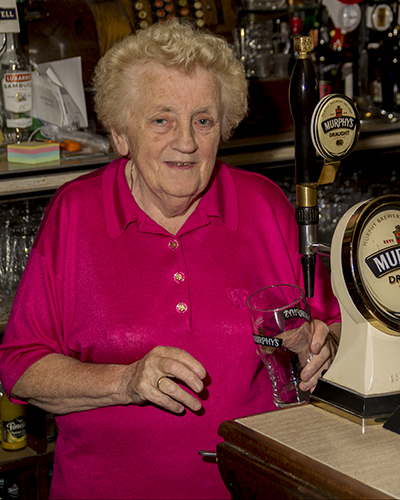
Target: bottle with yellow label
[(13, 425)]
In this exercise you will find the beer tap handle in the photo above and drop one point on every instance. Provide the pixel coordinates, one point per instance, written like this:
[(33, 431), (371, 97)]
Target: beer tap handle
[(303, 98), (331, 127)]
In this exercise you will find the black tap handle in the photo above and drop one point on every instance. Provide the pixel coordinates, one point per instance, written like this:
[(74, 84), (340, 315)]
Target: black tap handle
[(303, 98)]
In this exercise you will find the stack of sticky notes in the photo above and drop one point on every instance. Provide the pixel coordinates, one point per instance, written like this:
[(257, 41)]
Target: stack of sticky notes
[(33, 152)]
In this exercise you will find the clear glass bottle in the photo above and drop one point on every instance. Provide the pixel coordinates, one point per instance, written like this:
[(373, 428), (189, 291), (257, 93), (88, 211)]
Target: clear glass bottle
[(16, 91)]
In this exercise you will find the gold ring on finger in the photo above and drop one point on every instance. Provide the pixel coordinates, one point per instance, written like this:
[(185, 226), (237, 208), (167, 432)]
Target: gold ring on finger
[(158, 382)]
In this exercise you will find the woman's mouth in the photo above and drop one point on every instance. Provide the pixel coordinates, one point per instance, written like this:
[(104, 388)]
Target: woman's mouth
[(180, 163)]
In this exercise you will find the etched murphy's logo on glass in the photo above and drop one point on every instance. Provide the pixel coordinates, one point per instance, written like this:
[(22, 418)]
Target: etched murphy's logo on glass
[(262, 338), (295, 312)]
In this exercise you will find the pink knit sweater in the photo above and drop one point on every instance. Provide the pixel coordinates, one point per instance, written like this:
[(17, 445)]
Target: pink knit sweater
[(101, 286)]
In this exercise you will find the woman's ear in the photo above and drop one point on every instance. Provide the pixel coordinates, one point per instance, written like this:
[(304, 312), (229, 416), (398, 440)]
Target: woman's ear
[(120, 143)]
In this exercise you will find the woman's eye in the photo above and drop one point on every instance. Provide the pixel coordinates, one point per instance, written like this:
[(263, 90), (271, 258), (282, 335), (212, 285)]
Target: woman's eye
[(160, 121), (204, 121)]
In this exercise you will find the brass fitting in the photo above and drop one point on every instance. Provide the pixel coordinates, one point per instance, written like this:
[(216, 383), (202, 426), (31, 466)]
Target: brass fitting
[(306, 195)]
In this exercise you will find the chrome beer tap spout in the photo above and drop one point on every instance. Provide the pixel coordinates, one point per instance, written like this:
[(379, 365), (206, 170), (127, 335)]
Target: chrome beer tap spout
[(322, 249)]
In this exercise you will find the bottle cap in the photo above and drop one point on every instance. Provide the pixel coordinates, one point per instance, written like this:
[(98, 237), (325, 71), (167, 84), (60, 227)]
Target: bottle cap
[(335, 126), (302, 44)]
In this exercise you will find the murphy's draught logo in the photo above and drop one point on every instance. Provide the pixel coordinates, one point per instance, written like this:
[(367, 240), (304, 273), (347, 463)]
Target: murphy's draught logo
[(338, 121), (387, 260)]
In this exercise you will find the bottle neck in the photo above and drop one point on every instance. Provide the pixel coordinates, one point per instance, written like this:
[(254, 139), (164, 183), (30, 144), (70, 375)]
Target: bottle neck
[(13, 57), (11, 42)]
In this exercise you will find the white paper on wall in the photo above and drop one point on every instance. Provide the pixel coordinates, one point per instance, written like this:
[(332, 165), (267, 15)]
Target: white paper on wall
[(58, 93)]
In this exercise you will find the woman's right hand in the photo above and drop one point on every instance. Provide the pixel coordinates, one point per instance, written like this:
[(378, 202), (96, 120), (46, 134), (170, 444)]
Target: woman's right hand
[(162, 366)]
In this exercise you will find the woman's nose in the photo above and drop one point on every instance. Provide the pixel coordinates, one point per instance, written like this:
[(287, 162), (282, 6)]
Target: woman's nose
[(184, 140)]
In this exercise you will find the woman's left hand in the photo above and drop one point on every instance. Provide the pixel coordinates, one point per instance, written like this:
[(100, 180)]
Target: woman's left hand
[(323, 348)]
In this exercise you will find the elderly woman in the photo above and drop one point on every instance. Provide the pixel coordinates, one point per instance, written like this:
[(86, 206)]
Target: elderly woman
[(130, 322)]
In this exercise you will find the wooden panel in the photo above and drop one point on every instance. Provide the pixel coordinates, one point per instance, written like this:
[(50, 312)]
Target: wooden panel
[(369, 454), (281, 469), (248, 477)]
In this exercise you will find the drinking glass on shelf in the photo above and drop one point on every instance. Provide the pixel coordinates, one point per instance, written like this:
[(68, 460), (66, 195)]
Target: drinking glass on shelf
[(19, 223), (21, 240), (5, 257), (282, 327)]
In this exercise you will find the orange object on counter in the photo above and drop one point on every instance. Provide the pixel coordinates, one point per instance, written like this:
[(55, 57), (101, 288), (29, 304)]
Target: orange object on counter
[(70, 145)]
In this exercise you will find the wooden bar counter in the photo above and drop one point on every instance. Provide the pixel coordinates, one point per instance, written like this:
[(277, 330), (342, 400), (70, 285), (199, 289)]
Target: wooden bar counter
[(308, 452)]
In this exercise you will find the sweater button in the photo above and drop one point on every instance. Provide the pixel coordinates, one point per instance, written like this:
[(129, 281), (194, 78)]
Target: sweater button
[(179, 277), (181, 307), (173, 244)]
